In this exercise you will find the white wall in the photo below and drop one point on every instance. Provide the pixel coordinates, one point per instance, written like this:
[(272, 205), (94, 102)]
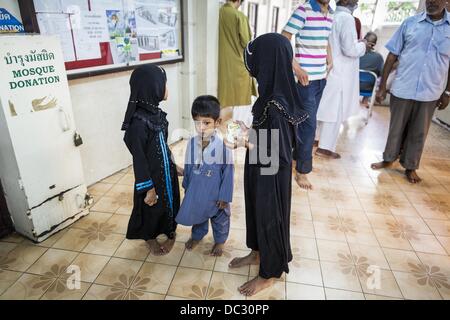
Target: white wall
[(265, 11)]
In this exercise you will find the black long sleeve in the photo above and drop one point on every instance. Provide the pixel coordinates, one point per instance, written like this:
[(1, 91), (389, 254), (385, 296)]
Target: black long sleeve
[(136, 138)]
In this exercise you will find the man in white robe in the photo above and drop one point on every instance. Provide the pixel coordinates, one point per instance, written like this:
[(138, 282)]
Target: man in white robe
[(340, 98)]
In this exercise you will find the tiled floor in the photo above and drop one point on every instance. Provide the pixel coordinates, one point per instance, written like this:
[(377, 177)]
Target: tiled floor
[(360, 234)]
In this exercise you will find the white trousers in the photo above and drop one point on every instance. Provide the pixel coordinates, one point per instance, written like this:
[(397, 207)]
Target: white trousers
[(329, 133)]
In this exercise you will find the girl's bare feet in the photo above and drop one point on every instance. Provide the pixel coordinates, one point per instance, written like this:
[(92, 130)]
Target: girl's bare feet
[(167, 246), (217, 250), (191, 244), (251, 259), (380, 165), (412, 176), (154, 247), (254, 286), (327, 154)]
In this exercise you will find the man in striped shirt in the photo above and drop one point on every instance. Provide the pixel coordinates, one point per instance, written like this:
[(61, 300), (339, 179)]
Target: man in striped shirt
[(311, 24)]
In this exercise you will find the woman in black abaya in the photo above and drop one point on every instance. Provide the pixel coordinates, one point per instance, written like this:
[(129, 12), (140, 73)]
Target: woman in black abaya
[(268, 196)]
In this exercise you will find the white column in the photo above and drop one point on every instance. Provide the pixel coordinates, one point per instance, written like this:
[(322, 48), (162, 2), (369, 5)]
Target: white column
[(421, 6), (199, 72)]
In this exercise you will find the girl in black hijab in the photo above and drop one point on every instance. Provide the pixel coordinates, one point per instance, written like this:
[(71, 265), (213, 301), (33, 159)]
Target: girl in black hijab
[(156, 192), (268, 196)]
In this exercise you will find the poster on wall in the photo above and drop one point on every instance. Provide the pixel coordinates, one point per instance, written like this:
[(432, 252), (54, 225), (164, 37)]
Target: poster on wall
[(156, 23), (112, 32), (58, 25), (89, 29), (122, 33), (9, 23)]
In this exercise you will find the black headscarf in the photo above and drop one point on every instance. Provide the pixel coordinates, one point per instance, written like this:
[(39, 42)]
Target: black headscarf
[(148, 87), (268, 58)]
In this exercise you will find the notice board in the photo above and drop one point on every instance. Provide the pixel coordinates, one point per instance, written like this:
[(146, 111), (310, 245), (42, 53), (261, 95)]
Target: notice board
[(102, 36)]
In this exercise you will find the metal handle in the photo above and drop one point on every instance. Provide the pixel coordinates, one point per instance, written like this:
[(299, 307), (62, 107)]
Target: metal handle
[(66, 125)]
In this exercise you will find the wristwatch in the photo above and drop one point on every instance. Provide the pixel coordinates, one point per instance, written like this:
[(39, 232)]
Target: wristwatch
[(447, 93)]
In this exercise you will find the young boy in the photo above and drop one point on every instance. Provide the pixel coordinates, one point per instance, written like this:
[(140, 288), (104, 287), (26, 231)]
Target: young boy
[(208, 178)]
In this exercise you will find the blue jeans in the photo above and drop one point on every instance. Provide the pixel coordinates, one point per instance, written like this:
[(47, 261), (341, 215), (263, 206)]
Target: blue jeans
[(310, 96), (220, 224)]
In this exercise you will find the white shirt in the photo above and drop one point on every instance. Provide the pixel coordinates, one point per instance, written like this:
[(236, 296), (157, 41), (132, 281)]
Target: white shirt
[(342, 89)]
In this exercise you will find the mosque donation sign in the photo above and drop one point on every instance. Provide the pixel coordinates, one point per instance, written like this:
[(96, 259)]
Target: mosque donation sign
[(40, 166)]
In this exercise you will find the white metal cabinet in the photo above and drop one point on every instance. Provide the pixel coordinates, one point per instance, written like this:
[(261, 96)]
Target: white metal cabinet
[(41, 168)]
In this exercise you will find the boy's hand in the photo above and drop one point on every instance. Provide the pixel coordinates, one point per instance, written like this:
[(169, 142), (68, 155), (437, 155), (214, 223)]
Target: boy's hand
[(222, 205), (239, 143), (151, 199), (180, 171)]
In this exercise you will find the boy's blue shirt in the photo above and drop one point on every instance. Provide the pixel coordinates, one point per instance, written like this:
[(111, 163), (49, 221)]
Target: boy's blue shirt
[(208, 178)]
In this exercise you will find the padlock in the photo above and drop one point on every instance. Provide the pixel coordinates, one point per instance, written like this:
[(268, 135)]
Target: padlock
[(77, 140)]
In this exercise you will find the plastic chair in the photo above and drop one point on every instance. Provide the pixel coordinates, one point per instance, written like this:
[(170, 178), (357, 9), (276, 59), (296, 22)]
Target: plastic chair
[(370, 77)]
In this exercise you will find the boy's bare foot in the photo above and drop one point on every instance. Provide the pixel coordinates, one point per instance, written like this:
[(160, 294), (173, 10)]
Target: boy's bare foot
[(251, 259), (303, 182), (380, 165), (254, 286), (155, 247), (167, 246), (191, 244), (327, 153), (412, 176), (217, 250)]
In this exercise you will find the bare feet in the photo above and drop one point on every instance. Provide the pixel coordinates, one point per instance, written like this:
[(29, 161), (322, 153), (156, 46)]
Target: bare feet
[(254, 286), (191, 244), (380, 165), (251, 259), (327, 153), (412, 176), (303, 182), (217, 250), (167, 246), (155, 248)]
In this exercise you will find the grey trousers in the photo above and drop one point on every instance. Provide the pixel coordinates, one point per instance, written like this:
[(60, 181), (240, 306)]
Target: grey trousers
[(408, 129)]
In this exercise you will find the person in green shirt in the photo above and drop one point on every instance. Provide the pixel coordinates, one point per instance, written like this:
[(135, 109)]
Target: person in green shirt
[(235, 86)]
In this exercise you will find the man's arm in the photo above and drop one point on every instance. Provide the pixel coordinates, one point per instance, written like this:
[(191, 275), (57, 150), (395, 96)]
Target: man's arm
[(390, 60), (349, 44), (301, 74), (329, 58), (245, 33), (444, 100)]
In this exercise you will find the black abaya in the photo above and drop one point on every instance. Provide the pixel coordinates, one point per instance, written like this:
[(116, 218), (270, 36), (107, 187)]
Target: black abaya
[(268, 200), (147, 143), (146, 138)]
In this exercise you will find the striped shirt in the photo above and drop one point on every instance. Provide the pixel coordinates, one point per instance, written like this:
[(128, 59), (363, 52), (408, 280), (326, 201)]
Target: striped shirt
[(312, 29)]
